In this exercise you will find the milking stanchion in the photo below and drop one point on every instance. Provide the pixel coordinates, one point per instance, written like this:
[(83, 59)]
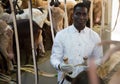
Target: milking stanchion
[(52, 31), (17, 42), (13, 11), (66, 16), (32, 42)]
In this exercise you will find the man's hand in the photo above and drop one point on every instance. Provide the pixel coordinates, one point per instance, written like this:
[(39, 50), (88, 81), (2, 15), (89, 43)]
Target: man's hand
[(67, 68)]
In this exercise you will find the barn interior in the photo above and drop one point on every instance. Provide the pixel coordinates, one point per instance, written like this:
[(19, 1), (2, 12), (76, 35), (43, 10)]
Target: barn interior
[(104, 19)]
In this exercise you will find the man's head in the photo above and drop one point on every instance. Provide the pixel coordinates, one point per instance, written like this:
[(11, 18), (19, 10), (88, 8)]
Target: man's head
[(80, 15)]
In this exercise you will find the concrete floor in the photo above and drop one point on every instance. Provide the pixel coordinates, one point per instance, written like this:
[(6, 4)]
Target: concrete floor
[(28, 78)]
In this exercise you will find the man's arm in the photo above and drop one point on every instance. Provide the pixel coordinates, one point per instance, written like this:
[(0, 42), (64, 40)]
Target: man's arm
[(57, 51)]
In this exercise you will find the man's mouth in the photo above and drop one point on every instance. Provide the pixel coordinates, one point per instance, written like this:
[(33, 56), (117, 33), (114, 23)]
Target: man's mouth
[(81, 21)]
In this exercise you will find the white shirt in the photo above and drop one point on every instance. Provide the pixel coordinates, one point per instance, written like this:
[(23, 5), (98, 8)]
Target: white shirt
[(74, 45)]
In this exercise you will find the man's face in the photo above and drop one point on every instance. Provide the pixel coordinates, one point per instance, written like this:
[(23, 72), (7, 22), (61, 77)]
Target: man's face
[(80, 17)]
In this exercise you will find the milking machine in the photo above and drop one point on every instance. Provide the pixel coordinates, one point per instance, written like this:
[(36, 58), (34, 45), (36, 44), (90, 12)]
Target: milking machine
[(13, 9)]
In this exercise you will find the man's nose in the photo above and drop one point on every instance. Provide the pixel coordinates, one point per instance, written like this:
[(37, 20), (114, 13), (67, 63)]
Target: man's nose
[(81, 16)]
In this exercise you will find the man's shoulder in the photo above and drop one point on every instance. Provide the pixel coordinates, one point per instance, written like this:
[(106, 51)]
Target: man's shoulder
[(91, 30), (92, 33), (65, 30)]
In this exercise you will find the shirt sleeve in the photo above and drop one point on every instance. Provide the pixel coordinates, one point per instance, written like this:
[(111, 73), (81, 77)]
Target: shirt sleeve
[(57, 51), (98, 50)]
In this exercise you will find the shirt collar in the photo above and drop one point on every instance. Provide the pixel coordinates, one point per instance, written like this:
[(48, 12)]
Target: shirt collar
[(73, 29)]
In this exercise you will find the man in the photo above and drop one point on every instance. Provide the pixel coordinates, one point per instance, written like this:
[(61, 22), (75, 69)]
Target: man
[(74, 43)]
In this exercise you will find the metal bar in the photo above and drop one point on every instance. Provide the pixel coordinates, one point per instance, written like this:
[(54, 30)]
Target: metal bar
[(17, 42), (66, 16), (52, 31), (91, 15), (103, 17), (32, 41)]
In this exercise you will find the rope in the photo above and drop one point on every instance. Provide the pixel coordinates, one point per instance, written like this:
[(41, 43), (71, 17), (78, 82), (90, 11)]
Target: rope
[(6, 78), (29, 68), (41, 73)]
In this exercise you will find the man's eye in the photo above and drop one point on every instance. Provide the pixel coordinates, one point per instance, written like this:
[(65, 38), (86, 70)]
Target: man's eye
[(77, 13), (84, 14)]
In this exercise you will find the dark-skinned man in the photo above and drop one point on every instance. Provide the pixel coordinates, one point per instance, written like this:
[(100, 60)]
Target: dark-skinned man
[(74, 43)]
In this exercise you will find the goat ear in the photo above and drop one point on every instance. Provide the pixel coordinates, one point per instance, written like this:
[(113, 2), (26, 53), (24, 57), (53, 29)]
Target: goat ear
[(52, 3), (56, 3)]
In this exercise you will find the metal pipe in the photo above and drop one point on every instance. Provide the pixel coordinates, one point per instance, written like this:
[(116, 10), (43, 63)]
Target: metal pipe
[(66, 16), (32, 41), (103, 17), (91, 15), (52, 31), (17, 42)]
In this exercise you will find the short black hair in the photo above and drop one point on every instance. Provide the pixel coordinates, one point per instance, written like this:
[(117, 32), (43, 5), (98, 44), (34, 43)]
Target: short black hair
[(83, 4)]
